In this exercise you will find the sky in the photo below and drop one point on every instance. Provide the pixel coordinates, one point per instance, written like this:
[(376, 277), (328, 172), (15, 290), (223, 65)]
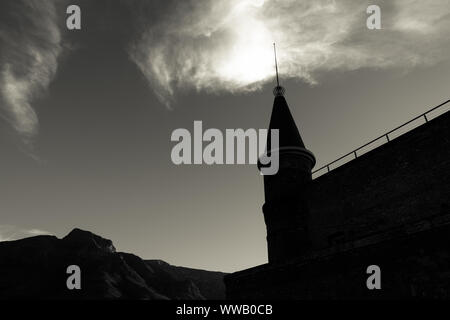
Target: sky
[(86, 115)]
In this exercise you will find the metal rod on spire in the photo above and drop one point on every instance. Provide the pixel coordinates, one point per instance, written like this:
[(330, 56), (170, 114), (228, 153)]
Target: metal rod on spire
[(276, 63), (278, 90)]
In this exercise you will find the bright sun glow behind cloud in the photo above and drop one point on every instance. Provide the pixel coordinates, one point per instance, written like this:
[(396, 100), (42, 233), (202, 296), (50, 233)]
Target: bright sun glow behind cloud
[(231, 45), (248, 58), (226, 45)]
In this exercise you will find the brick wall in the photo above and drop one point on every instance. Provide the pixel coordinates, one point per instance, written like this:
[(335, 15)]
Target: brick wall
[(404, 180)]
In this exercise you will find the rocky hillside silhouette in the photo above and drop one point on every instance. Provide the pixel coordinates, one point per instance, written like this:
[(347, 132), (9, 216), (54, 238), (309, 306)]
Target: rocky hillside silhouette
[(36, 268)]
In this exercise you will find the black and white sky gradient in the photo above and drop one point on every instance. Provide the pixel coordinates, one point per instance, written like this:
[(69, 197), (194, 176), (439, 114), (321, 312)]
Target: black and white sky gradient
[(86, 116)]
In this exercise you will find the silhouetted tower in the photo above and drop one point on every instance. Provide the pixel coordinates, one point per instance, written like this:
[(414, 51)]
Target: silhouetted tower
[(285, 208)]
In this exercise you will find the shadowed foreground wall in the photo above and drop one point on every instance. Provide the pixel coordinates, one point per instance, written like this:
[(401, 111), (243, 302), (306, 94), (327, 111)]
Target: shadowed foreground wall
[(402, 181), (412, 265), (390, 208)]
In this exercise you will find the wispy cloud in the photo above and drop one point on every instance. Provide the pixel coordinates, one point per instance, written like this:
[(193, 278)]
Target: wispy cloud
[(9, 232), (31, 43), (217, 45)]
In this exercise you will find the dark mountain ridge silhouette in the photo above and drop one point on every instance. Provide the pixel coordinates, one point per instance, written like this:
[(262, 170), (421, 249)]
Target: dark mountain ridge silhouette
[(36, 267)]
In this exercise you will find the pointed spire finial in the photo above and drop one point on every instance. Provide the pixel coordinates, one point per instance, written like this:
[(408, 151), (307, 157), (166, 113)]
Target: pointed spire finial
[(278, 90), (276, 63)]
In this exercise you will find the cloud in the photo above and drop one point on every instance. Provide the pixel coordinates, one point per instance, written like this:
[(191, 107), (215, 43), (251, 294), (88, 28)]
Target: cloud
[(10, 233), (226, 45), (31, 43)]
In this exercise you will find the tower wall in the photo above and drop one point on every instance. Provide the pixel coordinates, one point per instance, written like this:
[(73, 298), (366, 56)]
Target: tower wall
[(285, 208)]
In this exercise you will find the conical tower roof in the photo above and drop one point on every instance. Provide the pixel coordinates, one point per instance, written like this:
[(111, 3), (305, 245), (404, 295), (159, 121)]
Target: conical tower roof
[(282, 120)]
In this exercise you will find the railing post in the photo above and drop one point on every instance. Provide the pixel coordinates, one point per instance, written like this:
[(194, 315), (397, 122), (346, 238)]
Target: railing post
[(328, 168), (354, 152), (387, 137), (425, 116)]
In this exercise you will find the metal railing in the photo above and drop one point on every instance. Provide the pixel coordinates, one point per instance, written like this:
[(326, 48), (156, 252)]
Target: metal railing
[(385, 137)]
